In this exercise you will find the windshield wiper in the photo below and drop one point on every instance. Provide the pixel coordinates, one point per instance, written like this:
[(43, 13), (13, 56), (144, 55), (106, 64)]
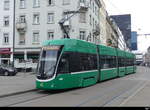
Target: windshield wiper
[(50, 69)]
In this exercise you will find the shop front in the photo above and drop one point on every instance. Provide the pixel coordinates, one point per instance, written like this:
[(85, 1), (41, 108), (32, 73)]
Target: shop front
[(26, 60), (5, 56)]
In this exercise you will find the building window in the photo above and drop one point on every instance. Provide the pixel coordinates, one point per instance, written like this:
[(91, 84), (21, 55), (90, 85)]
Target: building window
[(35, 37), (22, 19), (22, 39), (50, 2), (6, 4), (22, 3), (36, 19), (82, 35), (50, 18), (6, 21), (93, 7), (90, 20), (50, 35), (95, 10), (6, 38), (82, 1), (91, 4), (93, 23), (82, 17), (66, 2), (36, 3)]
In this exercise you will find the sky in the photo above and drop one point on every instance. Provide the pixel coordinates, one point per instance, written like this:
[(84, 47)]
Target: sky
[(140, 15)]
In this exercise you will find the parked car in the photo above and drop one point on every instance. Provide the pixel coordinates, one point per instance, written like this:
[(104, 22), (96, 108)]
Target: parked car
[(7, 70)]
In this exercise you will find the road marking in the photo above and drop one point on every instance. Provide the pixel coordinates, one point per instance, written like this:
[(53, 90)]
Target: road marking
[(131, 96)]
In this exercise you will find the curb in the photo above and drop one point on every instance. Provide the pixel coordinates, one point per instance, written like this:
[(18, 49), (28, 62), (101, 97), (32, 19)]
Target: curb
[(17, 93)]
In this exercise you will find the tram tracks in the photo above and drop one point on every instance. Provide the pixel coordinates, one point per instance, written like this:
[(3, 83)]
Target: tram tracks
[(123, 97), (112, 96), (22, 97)]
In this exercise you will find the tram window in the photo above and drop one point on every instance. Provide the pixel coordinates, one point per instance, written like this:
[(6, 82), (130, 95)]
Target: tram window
[(102, 62), (84, 62), (74, 62), (121, 62), (108, 62), (129, 62), (63, 66), (94, 61)]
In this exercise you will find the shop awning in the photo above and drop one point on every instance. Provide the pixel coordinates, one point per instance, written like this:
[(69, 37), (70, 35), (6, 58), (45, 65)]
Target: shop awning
[(5, 51), (20, 56), (33, 56)]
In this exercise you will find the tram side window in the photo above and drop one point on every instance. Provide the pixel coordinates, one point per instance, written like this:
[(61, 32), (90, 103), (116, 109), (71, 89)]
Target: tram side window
[(108, 62), (63, 66), (121, 62), (129, 62), (113, 61), (94, 60), (75, 62), (88, 61)]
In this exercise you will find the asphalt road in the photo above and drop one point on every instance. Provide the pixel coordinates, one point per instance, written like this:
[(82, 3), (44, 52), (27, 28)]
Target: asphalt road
[(132, 90)]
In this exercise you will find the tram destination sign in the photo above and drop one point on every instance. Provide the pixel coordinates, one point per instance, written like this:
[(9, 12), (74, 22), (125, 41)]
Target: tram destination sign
[(51, 47)]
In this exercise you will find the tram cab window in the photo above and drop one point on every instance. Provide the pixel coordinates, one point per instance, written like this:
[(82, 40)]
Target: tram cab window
[(63, 66)]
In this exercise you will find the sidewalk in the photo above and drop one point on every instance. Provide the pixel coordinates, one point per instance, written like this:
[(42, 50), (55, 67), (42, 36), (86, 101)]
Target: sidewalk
[(16, 84)]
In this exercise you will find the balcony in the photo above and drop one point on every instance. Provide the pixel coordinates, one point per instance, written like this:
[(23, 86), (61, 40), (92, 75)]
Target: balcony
[(83, 7), (96, 31), (21, 27)]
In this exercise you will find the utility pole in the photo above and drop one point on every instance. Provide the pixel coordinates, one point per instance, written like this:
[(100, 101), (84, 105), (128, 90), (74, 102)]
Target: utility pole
[(14, 31)]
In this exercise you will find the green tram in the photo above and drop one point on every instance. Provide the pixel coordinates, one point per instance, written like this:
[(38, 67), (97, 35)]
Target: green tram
[(71, 63)]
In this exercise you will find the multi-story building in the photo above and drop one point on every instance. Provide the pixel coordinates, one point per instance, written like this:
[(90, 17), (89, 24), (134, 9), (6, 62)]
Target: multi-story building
[(111, 33), (37, 21), (134, 45), (124, 23), (6, 31), (114, 36), (147, 58), (103, 15)]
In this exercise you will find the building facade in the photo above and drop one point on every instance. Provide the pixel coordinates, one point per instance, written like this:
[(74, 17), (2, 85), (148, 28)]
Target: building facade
[(147, 58), (103, 15), (37, 21), (114, 36), (124, 23), (6, 31), (111, 33), (134, 41)]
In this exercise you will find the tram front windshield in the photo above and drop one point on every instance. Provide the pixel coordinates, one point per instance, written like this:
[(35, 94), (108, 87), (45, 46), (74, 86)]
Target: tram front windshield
[(47, 62)]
